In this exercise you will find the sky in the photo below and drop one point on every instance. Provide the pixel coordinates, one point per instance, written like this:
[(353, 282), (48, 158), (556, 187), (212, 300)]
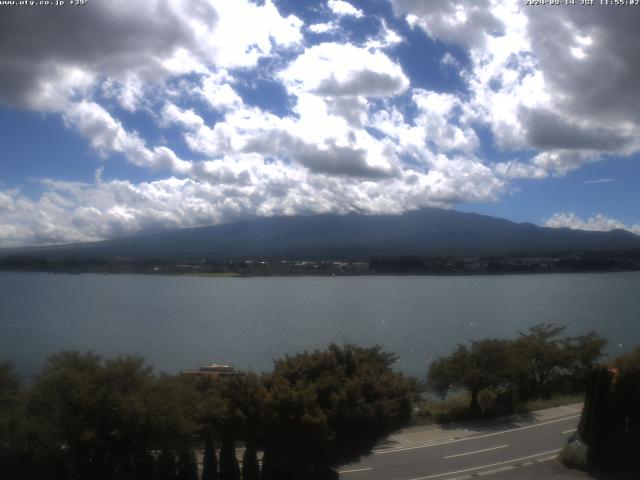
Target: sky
[(119, 118)]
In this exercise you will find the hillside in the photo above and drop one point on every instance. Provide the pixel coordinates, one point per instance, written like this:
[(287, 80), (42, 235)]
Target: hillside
[(426, 232)]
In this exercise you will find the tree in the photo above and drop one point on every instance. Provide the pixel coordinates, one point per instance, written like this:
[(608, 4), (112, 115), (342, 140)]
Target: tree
[(244, 397), (209, 462), (77, 407), (167, 468), (610, 421), (187, 465), (541, 354), (173, 411), (628, 361), (547, 362), (250, 466), (595, 420), (486, 364), (626, 410), (233, 406), (103, 418), (9, 382), (12, 421), (582, 355), (326, 408), (229, 468)]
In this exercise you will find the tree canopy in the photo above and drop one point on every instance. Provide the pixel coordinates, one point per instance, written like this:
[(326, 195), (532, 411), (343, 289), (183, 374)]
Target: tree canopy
[(533, 364), (485, 364), (330, 407), (89, 417)]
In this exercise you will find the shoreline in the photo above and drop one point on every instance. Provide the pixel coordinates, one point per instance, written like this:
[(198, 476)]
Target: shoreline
[(315, 275)]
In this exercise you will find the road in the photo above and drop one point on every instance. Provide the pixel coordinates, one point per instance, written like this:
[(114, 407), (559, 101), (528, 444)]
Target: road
[(466, 456)]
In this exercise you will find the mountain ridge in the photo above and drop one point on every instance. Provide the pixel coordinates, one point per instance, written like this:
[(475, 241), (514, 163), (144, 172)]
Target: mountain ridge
[(426, 232)]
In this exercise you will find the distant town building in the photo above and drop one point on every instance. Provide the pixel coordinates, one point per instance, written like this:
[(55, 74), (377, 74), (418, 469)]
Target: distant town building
[(214, 371)]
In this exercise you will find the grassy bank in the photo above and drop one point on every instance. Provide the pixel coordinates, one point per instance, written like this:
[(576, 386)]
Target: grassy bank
[(456, 408)]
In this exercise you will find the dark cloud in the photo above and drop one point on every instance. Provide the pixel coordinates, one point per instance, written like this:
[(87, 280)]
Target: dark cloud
[(602, 81), (546, 130), (328, 158), (337, 160), (352, 109), (363, 82), (37, 45)]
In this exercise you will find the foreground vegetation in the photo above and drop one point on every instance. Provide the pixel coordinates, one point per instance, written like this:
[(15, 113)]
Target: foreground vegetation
[(501, 376), (89, 418), (607, 442)]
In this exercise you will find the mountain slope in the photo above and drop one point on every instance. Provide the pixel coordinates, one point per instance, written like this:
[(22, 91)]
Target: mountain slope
[(426, 232)]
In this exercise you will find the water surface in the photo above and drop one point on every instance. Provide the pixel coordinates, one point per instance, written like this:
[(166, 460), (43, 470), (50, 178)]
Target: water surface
[(178, 322)]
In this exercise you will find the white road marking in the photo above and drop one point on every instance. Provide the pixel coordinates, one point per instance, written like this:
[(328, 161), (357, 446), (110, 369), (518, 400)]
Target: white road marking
[(487, 466), (477, 451), (474, 437), (570, 431), (356, 470), (496, 470)]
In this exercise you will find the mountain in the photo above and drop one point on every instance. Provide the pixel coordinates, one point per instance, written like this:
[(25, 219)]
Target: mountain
[(425, 232)]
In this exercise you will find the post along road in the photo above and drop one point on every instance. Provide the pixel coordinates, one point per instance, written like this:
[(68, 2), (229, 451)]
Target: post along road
[(471, 454)]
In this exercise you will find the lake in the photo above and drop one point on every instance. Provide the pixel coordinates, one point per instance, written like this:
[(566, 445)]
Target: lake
[(178, 322)]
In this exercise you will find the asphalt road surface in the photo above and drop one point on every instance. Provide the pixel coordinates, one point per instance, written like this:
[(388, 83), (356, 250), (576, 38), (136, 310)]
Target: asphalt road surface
[(465, 457)]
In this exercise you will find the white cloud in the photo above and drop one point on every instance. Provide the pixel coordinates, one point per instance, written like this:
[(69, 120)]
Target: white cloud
[(334, 69), (335, 148), (533, 77), (218, 93), (323, 27), (597, 222), (515, 169), (247, 32), (451, 21), (227, 189), (449, 60), (386, 38), (188, 119), (107, 135), (600, 180), (437, 117), (440, 126), (331, 83), (339, 7)]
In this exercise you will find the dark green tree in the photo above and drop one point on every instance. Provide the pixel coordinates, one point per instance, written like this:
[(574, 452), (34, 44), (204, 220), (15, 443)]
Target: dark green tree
[(485, 364), (625, 412), (103, 418), (145, 467), (234, 406), (166, 465), (79, 404), (629, 361), (250, 465), (330, 407), (187, 465), (173, 411), (542, 354), (595, 420), (209, 461), (12, 422), (582, 356), (229, 468), (610, 421), (9, 382)]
